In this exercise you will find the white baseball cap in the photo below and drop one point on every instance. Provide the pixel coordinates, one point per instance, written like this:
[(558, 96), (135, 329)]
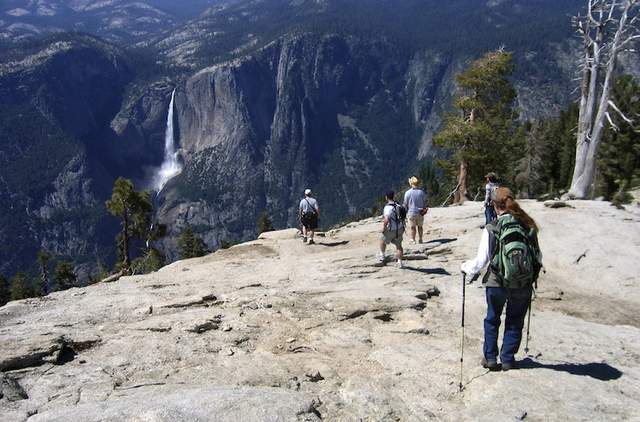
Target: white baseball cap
[(307, 192)]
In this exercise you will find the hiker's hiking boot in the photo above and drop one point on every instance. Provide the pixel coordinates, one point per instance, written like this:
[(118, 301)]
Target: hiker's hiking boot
[(304, 239), (310, 242), (381, 257), (400, 264), (507, 366), (490, 364)]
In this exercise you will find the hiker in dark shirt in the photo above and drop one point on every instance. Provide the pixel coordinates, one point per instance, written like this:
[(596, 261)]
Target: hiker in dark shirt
[(489, 190), (308, 212)]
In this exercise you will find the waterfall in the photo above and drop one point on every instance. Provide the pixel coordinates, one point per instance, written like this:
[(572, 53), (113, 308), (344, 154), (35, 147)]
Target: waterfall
[(171, 166)]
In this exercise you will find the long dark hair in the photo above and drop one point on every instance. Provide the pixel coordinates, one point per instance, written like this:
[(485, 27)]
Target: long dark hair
[(504, 201)]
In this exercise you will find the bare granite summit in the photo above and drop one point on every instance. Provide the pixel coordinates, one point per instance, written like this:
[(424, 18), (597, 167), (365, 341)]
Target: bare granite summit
[(275, 330)]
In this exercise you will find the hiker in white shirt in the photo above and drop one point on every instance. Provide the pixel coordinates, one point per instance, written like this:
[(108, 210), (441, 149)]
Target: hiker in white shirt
[(308, 213), (489, 191), (392, 228)]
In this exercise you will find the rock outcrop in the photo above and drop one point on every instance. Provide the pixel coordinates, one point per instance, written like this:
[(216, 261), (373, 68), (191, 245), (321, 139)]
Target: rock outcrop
[(274, 329)]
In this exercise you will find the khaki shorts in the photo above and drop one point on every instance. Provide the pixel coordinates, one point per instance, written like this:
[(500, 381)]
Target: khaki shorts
[(415, 220), (389, 236)]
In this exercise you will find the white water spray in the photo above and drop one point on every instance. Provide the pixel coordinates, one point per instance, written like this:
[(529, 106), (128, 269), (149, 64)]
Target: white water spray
[(171, 166)]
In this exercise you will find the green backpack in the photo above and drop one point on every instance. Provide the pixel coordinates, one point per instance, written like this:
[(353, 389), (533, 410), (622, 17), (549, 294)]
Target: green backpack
[(516, 260)]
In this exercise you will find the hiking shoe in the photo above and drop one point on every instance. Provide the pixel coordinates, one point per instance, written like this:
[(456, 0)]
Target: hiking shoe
[(381, 257), (507, 366), (304, 239), (490, 364), (311, 242), (400, 264)]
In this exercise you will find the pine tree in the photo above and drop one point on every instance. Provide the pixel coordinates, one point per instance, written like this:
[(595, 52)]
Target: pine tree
[(264, 223), (190, 245), (135, 210), (151, 261), (479, 134), (43, 266), (5, 294), (619, 158), (64, 276), (21, 286)]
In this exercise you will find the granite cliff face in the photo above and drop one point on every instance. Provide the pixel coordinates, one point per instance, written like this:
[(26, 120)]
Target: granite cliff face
[(343, 116), (56, 101)]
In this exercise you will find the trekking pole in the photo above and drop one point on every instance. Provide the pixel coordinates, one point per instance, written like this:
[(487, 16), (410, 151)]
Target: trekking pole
[(464, 276), (526, 345)]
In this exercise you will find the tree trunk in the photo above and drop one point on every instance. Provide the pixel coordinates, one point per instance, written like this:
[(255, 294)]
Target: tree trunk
[(125, 243), (590, 129), (461, 193)]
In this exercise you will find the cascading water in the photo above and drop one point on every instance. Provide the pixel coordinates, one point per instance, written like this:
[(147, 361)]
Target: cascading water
[(171, 166)]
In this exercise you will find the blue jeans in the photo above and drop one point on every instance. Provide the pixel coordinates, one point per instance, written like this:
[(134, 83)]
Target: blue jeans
[(489, 214), (517, 301)]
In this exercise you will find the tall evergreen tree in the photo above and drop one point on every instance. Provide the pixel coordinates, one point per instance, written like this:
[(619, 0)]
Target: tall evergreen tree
[(264, 223), (21, 286), (43, 266), (190, 245), (479, 134), (5, 293), (135, 210), (64, 276), (619, 162)]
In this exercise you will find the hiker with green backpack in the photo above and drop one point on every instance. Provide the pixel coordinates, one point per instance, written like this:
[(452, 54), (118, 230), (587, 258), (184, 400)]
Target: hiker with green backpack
[(509, 245)]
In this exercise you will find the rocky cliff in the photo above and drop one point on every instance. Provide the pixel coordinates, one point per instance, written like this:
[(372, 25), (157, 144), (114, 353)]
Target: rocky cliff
[(277, 330), (339, 114), (57, 101)]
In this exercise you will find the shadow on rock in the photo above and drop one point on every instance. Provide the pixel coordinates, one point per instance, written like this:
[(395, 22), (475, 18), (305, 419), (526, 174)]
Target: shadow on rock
[(599, 371), (443, 240), (332, 244), (439, 271)]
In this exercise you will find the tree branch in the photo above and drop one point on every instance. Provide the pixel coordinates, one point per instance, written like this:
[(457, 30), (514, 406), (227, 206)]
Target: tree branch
[(613, 125), (615, 107)]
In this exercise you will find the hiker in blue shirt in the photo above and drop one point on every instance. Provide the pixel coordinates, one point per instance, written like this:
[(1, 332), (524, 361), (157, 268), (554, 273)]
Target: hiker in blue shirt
[(415, 201)]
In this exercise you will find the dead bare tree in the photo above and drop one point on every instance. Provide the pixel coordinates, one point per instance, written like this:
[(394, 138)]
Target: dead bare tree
[(608, 28)]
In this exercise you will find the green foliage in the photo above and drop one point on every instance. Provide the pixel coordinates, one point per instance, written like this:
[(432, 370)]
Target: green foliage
[(5, 293), (43, 259), (150, 262), (435, 189), (481, 131), (22, 286), (101, 274), (135, 210), (64, 276), (549, 153), (619, 154), (226, 244), (190, 245), (264, 223)]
